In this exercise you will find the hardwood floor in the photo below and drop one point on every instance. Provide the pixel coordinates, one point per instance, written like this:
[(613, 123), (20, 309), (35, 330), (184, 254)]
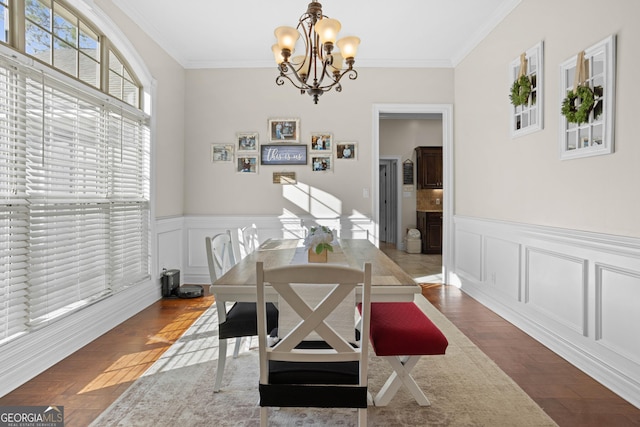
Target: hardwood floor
[(88, 381), (566, 394)]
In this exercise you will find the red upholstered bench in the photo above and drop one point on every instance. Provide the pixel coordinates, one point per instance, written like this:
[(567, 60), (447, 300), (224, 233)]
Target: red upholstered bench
[(401, 333)]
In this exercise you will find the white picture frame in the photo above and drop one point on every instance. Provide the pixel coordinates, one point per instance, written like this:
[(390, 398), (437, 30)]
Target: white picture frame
[(528, 118), (222, 153), (321, 142), (321, 162), (596, 136), (247, 142), (284, 130), (247, 164), (347, 150)]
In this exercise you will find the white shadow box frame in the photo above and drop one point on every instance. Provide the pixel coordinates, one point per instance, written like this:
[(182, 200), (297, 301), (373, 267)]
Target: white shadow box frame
[(594, 137), (528, 118)]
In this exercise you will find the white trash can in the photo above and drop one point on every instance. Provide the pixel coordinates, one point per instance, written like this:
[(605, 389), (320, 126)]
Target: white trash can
[(413, 242)]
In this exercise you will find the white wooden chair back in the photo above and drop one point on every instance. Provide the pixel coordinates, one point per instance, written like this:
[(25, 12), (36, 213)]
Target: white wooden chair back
[(220, 257), (288, 282), (250, 241)]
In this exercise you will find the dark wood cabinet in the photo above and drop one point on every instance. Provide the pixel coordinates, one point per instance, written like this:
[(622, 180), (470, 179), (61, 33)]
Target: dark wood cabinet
[(422, 228), (430, 226), (429, 167)]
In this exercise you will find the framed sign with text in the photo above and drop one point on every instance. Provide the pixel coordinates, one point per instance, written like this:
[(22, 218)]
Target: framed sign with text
[(283, 154)]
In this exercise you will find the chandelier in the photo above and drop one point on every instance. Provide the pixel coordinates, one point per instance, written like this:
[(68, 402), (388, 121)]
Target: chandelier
[(321, 67)]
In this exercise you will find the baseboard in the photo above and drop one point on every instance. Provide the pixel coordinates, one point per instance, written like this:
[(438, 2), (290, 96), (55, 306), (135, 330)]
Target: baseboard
[(27, 356)]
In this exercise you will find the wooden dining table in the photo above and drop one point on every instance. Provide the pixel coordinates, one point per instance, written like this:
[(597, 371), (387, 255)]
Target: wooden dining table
[(389, 283)]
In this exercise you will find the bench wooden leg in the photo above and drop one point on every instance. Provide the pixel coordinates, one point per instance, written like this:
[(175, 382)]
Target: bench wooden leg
[(402, 366)]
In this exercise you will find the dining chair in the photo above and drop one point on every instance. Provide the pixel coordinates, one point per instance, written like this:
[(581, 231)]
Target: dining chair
[(316, 361), (240, 320), (249, 239)]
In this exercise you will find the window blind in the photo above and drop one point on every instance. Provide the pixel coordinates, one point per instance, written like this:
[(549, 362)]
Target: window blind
[(75, 184), (13, 206)]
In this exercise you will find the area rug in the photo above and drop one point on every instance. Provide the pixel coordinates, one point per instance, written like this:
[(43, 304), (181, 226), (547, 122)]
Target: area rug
[(464, 386)]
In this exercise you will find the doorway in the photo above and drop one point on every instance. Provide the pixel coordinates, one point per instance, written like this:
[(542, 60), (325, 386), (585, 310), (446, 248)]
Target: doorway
[(446, 113), (388, 184)]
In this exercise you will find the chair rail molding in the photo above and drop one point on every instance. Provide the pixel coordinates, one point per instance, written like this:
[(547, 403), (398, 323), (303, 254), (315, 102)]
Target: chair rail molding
[(576, 292)]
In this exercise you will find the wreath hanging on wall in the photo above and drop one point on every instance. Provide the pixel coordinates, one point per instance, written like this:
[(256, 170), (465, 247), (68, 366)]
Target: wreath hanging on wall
[(578, 113), (520, 91)]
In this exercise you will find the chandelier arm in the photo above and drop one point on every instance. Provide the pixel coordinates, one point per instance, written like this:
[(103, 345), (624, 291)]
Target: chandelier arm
[(352, 74), (308, 45), (302, 83), (297, 83)]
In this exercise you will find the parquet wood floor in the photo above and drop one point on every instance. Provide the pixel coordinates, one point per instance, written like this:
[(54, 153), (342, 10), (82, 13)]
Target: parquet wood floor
[(89, 380)]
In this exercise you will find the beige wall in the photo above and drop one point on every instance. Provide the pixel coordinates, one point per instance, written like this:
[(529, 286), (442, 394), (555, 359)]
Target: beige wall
[(523, 179), (399, 138), (169, 106), (221, 102), (498, 177)]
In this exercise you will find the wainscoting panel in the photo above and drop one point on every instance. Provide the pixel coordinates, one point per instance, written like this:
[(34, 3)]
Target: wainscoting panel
[(468, 254), (502, 268), (556, 286), (618, 310), (576, 292)]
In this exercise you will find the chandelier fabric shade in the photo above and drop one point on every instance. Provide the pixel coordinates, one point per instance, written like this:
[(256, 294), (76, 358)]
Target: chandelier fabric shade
[(321, 66)]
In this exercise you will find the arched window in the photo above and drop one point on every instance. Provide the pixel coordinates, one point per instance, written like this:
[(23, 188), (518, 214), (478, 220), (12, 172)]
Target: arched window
[(74, 167), (55, 34)]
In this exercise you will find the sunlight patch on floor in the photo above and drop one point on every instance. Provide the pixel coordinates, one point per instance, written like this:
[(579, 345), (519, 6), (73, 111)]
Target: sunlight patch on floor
[(126, 369), (433, 278)]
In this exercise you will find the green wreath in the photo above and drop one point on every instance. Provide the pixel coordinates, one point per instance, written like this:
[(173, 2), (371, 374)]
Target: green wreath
[(579, 114), (520, 91)]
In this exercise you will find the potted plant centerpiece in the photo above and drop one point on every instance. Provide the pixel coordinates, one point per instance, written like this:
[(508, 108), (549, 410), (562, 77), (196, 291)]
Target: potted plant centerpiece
[(319, 241)]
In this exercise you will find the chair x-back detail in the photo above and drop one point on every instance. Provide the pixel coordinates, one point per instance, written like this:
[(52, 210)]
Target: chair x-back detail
[(315, 364), (240, 320), (250, 241)]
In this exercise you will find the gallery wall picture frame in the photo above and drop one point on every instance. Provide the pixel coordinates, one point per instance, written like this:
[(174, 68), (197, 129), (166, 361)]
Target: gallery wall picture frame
[(222, 153), (247, 141), (321, 141), (321, 163), (247, 164), (283, 154), (284, 130), (347, 150), (284, 178)]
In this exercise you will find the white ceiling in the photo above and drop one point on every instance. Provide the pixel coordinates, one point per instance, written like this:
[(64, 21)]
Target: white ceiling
[(239, 33)]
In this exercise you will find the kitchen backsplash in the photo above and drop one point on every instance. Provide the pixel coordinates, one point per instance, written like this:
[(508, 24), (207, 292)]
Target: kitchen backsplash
[(429, 200)]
